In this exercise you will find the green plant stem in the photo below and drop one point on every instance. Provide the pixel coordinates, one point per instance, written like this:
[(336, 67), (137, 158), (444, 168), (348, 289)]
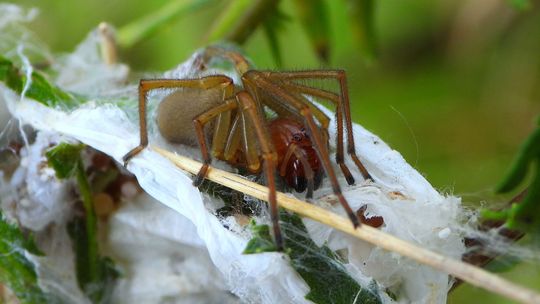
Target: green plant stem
[(91, 222)]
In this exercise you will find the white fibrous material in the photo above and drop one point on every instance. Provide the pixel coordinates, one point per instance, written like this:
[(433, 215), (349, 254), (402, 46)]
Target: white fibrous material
[(164, 257), (187, 249), (85, 63), (40, 198)]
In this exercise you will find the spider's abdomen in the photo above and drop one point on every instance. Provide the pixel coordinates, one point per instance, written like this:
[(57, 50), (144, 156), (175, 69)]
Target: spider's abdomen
[(176, 111), (284, 133)]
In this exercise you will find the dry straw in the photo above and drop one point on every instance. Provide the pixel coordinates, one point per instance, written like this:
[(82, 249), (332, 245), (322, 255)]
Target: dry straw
[(466, 272)]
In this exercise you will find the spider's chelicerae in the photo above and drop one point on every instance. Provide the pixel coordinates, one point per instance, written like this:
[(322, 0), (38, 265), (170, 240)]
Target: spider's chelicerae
[(295, 142)]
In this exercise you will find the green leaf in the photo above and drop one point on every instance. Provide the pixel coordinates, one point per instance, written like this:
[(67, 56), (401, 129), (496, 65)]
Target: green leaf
[(314, 18), (40, 89), (324, 273), (261, 241), (503, 263), (525, 215), (362, 14), (141, 29), (320, 268), (95, 274), (529, 151), (16, 271), (64, 159), (240, 19)]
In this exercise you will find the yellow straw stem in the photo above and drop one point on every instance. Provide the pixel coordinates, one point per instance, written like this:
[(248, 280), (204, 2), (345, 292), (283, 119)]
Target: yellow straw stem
[(466, 272)]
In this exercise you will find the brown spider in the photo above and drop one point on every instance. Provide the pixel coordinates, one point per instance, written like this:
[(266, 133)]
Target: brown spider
[(242, 133)]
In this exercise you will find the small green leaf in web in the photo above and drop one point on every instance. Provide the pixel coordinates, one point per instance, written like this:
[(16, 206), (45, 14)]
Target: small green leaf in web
[(39, 89), (16, 271), (320, 268), (143, 28), (314, 19), (362, 14), (324, 273), (240, 19), (64, 159), (261, 240), (95, 273)]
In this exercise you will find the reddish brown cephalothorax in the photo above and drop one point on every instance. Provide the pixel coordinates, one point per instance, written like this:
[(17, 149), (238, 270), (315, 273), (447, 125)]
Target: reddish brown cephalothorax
[(297, 159)]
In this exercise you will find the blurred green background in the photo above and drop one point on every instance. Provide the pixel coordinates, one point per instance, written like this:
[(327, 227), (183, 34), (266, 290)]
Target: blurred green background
[(455, 89)]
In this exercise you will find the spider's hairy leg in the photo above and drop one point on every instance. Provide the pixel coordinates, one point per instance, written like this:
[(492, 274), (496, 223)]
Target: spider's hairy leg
[(283, 96), (240, 62), (325, 159), (334, 98), (221, 133), (145, 85), (249, 139), (341, 77), (269, 156), (300, 155), (233, 139), (198, 123)]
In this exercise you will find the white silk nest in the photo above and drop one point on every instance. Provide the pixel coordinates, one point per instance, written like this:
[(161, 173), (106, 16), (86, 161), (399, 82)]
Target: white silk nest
[(180, 250)]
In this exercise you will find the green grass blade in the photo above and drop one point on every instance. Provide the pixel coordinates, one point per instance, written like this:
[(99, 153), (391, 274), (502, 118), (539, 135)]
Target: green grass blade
[(362, 15), (141, 29), (314, 18), (272, 25), (529, 150), (240, 19)]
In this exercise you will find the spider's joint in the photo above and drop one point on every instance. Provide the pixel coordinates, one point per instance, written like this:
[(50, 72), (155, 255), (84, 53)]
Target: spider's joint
[(272, 156)]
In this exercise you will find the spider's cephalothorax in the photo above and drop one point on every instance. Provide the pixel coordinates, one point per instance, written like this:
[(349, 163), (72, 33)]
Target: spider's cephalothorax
[(295, 143), (297, 163)]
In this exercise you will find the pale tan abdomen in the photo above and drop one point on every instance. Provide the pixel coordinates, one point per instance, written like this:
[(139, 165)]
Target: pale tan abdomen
[(175, 113)]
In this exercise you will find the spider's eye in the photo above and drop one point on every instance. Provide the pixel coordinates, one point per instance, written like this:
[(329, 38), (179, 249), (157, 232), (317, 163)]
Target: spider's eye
[(297, 137)]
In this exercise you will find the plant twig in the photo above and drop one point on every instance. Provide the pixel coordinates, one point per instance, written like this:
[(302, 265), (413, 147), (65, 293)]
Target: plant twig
[(466, 272), (478, 255)]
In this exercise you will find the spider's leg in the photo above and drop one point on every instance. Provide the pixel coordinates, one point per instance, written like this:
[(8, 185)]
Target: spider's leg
[(269, 156), (240, 62), (233, 140), (283, 96), (340, 76), (334, 98), (324, 157), (308, 171), (198, 123), (249, 140), (221, 133), (146, 85)]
